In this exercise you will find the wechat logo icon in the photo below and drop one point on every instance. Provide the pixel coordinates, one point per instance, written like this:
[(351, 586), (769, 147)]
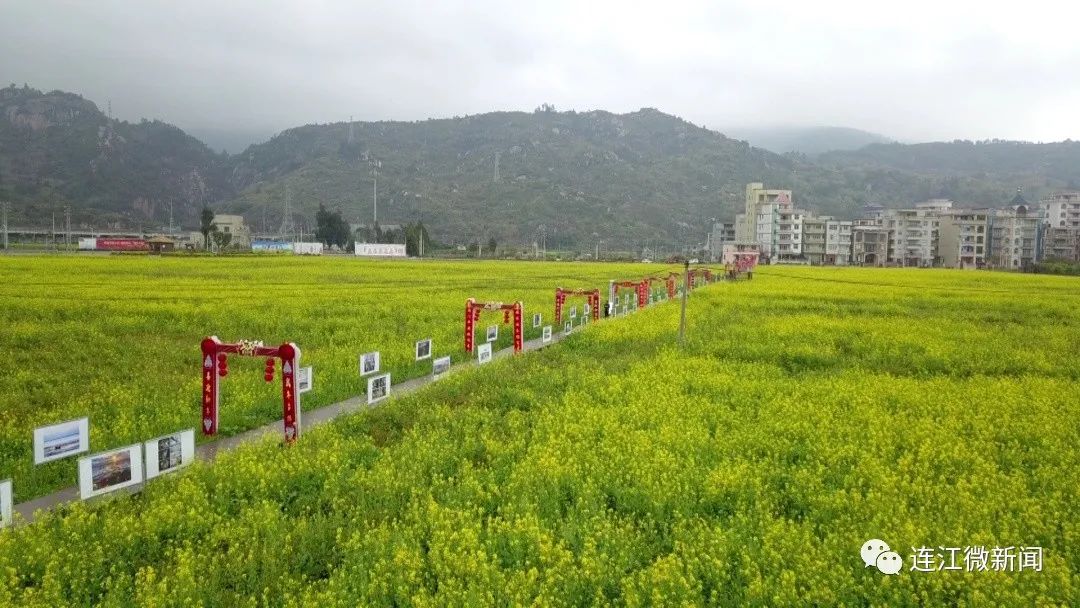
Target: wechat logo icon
[(876, 552)]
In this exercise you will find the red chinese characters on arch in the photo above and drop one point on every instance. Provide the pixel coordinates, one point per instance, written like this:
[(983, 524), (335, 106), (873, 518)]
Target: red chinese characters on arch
[(592, 296), (472, 315), (215, 367)]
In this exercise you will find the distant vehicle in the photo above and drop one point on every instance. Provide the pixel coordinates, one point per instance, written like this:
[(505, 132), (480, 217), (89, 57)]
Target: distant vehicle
[(646, 261), (693, 260)]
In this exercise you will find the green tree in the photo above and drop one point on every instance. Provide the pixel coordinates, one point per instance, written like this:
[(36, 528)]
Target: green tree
[(492, 245), (221, 239), (206, 225), (331, 229)]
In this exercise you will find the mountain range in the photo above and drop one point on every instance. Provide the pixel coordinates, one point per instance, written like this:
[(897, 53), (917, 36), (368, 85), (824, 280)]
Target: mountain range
[(576, 177)]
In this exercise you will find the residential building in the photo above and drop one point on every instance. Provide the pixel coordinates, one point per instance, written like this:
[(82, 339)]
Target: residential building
[(1014, 235), (1060, 244), (1061, 226), (789, 231), (963, 236), (722, 233), (233, 225), (837, 242), (914, 232), (813, 239), (1062, 210), (870, 243), (756, 197)]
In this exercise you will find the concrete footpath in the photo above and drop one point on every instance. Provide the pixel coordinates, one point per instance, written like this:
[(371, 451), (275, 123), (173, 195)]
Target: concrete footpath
[(209, 451)]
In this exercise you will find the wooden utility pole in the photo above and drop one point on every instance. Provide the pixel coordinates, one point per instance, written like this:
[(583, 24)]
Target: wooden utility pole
[(682, 313)]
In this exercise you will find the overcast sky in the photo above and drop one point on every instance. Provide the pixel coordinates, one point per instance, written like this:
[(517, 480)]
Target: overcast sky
[(917, 71)]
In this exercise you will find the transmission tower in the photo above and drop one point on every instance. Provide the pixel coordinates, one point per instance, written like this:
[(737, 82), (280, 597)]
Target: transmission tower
[(286, 220), (497, 155)]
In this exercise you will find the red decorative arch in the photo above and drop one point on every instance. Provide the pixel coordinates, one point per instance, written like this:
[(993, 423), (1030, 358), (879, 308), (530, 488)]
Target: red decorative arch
[(640, 287), (593, 296), (472, 315), (215, 365)]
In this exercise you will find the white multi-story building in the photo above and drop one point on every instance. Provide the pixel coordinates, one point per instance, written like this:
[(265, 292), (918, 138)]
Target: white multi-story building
[(789, 232), (838, 242), (813, 238), (914, 232), (1062, 210), (759, 201), (1014, 235)]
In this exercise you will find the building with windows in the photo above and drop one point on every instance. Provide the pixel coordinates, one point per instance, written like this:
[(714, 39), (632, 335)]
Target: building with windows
[(838, 242), (758, 196), (963, 238), (870, 243), (1060, 238), (233, 225), (722, 234), (813, 239), (1014, 235), (914, 232)]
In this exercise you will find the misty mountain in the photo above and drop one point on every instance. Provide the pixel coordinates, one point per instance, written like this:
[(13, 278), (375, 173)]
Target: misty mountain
[(634, 178), (806, 140), (59, 149)]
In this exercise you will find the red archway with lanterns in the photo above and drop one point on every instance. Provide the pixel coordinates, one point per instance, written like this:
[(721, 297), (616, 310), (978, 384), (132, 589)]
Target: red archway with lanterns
[(640, 287), (215, 365), (593, 296), (472, 315)]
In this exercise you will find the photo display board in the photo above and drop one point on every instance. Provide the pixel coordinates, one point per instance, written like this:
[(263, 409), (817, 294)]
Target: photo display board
[(110, 471)]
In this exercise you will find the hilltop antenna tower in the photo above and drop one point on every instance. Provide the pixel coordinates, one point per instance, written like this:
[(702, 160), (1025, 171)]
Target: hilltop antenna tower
[(498, 154), (350, 130), (287, 227)]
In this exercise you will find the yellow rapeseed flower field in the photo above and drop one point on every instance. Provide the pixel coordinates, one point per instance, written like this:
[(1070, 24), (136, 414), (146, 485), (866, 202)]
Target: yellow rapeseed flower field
[(809, 410)]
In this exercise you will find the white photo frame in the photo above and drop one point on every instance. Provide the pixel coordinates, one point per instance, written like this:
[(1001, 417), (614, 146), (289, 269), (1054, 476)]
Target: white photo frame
[(573, 312), (169, 453), (440, 366), (61, 440), (492, 333), (537, 320), (568, 327), (378, 388), (110, 471), (305, 378), (5, 503), (423, 349), (546, 336), (483, 353), (369, 363)]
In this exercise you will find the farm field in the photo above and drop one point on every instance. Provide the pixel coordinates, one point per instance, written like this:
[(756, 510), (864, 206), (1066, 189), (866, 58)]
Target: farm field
[(809, 411), (116, 338)]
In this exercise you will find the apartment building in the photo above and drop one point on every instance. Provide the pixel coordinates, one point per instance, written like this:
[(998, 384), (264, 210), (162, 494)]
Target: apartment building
[(758, 196), (963, 238), (1061, 226), (838, 242), (914, 232), (813, 239), (1014, 235), (870, 242), (722, 233), (1062, 210), (789, 233)]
